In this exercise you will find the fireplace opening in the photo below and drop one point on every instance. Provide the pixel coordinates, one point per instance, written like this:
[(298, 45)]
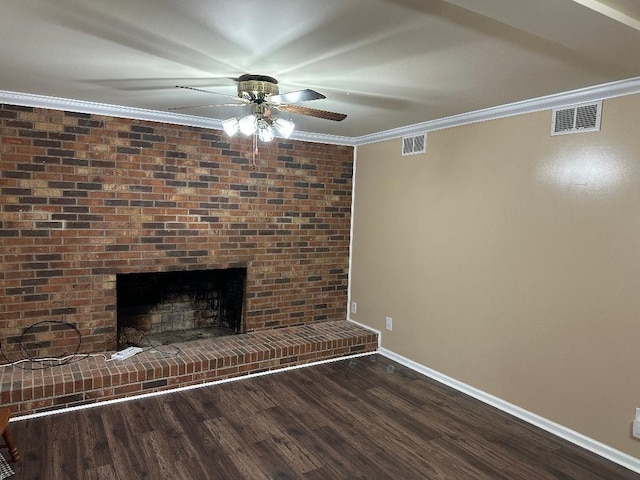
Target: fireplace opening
[(173, 307)]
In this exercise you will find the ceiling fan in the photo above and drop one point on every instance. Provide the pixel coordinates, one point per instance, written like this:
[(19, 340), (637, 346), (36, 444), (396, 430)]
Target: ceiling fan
[(262, 94)]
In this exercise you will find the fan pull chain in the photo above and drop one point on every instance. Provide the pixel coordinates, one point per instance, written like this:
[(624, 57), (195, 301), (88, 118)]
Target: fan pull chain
[(255, 149)]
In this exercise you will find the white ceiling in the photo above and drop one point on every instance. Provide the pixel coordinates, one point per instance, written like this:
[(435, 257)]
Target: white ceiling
[(385, 63)]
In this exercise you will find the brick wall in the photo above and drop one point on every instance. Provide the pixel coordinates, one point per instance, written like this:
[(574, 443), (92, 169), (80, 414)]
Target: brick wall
[(83, 197)]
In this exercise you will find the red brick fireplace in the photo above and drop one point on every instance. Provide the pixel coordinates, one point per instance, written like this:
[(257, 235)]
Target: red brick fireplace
[(86, 198)]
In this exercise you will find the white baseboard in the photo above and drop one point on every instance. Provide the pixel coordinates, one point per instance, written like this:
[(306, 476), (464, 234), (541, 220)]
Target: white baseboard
[(621, 458)]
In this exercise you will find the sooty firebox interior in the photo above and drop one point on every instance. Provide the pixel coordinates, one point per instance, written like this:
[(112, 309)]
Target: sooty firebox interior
[(172, 307)]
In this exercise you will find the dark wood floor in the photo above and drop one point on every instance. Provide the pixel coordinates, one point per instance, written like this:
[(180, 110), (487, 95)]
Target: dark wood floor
[(366, 418)]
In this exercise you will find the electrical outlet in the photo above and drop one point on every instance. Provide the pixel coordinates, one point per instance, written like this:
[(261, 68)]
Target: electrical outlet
[(636, 424), (389, 323), (354, 307)]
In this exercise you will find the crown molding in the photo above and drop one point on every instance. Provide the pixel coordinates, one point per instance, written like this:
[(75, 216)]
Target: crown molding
[(583, 95), (81, 106), (321, 138)]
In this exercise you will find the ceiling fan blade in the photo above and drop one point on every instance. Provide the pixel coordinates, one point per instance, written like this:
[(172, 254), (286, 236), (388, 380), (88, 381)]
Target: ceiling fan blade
[(311, 112), (209, 105), (297, 96), (214, 93)]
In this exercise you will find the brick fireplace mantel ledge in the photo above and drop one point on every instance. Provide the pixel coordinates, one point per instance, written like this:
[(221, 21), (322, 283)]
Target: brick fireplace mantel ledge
[(93, 379)]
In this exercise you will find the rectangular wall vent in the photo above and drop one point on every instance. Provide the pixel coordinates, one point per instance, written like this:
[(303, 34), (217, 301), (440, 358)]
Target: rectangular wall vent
[(576, 119), (414, 144)]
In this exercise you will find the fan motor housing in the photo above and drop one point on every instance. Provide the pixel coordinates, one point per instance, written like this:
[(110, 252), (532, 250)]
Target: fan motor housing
[(257, 86)]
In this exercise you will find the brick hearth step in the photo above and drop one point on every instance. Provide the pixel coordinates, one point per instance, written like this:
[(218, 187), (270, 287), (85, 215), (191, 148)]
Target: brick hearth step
[(92, 379)]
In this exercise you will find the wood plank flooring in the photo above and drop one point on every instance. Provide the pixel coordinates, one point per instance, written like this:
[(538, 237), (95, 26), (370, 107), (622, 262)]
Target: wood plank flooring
[(365, 418)]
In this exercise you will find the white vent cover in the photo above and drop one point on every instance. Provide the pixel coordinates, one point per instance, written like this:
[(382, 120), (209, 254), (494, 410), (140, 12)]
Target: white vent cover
[(414, 144), (576, 119)]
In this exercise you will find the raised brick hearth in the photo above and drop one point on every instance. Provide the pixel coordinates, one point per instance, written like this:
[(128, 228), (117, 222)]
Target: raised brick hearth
[(90, 380)]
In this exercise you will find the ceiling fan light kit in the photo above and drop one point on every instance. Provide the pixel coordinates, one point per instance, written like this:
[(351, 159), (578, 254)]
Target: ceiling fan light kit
[(264, 126), (262, 94)]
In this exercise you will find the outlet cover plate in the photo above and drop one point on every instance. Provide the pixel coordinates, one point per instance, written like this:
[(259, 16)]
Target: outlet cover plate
[(389, 323)]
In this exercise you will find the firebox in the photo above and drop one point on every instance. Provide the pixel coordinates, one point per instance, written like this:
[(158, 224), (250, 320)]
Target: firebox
[(172, 307)]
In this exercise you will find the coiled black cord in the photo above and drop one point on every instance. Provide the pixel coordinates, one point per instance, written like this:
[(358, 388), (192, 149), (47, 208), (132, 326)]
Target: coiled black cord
[(55, 361), (70, 357)]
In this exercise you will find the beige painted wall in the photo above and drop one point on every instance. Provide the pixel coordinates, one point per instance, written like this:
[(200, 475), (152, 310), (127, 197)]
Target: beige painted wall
[(510, 260)]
